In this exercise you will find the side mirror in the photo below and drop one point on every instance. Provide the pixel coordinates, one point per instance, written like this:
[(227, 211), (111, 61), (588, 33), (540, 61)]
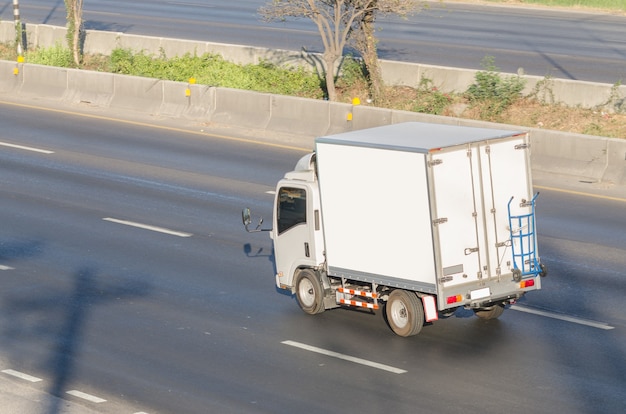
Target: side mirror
[(246, 218)]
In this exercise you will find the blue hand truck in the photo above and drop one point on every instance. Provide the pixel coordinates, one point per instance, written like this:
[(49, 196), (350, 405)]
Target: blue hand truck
[(524, 242)]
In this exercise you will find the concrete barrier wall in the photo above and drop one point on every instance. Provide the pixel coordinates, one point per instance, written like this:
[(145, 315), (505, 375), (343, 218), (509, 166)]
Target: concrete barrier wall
[(48, 81), (7, 32), (312, 116), (132, 92), (245, 108), (45, 34), (198, 104), (572, 93), (9, 82), (570, 154), (101, 43), (93, 88), (616, 162)]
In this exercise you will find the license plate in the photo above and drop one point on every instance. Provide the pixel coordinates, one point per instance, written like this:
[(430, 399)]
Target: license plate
[(480, 293)]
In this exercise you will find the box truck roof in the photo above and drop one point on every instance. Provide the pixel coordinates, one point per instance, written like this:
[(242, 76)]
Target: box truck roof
[(416, 136)]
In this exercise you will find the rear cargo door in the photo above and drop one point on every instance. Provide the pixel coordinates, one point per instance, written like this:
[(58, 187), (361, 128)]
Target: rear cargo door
[(505, 166), (458, 221)]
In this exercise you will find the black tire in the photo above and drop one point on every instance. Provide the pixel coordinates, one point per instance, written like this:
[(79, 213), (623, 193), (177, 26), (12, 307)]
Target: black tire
[(309, 292), (405, 313), (493, 312)]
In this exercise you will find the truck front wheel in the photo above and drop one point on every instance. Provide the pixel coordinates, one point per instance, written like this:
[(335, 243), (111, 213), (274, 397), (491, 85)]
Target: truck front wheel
[(309, 292), (405, 313)]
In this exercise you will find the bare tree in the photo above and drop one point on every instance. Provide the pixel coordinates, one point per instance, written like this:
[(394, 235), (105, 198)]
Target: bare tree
[(337, 21), (363, 37), (334, 20), (74, 9)]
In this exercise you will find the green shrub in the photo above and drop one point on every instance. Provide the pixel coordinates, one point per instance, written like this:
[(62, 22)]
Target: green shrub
[(53, 56), (430, 99), (491, 92), (352, 73), (213, 70)]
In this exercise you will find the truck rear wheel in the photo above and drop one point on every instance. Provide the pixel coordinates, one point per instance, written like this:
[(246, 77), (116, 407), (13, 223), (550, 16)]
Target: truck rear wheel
[(309, 292), (405, 313), (493, 312)]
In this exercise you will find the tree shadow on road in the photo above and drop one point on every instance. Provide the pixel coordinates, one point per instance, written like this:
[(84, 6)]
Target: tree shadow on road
[(60, 315), (87, 292)]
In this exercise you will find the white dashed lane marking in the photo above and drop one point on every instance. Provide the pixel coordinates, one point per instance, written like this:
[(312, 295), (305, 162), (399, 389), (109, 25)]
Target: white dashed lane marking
[(22, 147), (148, 227), (572, 319), (21, 375), (86, 396), (345, 357)]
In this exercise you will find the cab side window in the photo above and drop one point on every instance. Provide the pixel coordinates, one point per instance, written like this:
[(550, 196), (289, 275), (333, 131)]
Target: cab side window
[(291, 208)]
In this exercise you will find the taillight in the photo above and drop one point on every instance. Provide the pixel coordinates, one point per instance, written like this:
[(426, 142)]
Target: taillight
[(454, 299), (527, 283)]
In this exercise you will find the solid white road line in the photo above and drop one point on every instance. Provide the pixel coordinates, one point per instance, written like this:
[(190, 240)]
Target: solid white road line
[(21, 375), (86, 396), (345, 357), (22, 147), (148, 227), (3, 267), (580, 321)]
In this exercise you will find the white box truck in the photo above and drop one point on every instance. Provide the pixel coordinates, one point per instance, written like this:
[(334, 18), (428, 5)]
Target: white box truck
[(416, 218)]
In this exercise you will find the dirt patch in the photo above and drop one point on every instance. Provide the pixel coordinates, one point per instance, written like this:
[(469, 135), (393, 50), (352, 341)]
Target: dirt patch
[(525, 112)]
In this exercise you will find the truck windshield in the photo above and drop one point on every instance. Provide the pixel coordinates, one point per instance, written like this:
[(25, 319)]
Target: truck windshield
[(291, 208)]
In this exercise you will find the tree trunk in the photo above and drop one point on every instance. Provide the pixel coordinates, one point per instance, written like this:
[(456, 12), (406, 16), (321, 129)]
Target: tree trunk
[(74, 10), (369, 54), (330, 61), (76, 47), (78, 24)]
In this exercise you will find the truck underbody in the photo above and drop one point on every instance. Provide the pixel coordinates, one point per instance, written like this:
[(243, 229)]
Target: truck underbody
[(406, 310)]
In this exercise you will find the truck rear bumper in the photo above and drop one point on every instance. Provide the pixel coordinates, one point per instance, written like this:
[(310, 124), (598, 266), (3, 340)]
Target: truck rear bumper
[(487, 293)]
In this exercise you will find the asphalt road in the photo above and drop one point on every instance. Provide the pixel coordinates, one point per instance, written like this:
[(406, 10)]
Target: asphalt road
[(126, 275), (542, 42)]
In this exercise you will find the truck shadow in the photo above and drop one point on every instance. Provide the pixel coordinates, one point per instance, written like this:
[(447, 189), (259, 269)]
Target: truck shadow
[(261, 252)]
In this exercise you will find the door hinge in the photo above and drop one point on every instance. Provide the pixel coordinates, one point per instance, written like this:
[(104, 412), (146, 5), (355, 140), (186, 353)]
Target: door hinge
[(470, 250), (440, 221), (432, 163)]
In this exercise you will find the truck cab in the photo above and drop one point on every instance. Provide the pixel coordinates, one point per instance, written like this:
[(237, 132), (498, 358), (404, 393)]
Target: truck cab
[(297, 227)]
